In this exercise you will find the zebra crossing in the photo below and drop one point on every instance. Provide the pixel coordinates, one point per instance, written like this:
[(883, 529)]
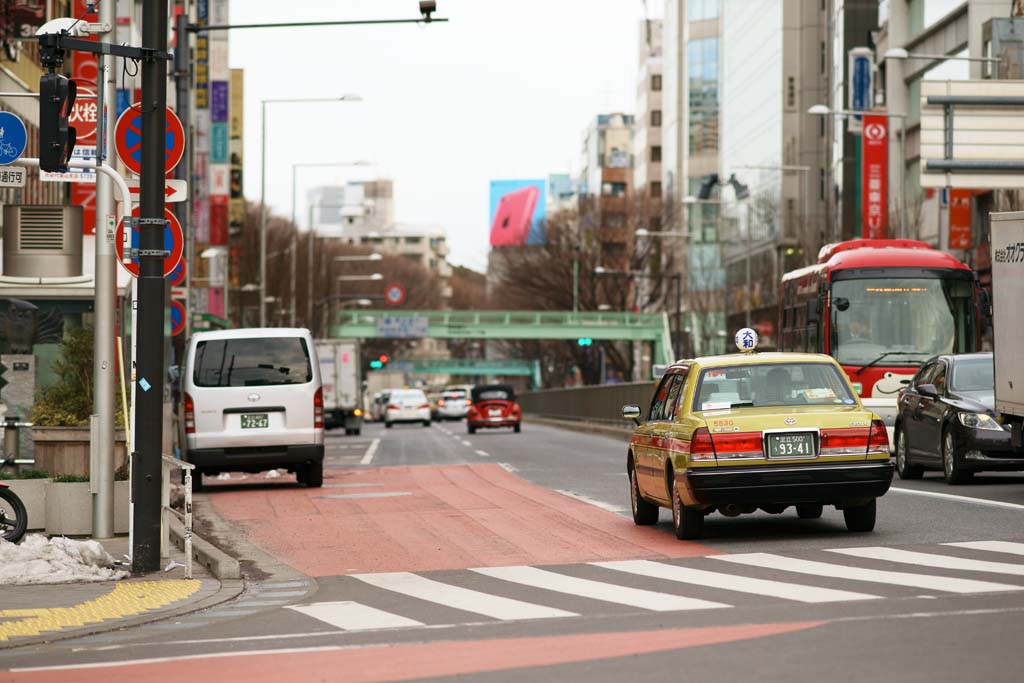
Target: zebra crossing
[(402, 600)]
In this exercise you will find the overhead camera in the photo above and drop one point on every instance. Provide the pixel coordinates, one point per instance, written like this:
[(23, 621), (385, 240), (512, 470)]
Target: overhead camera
[(427, 8)]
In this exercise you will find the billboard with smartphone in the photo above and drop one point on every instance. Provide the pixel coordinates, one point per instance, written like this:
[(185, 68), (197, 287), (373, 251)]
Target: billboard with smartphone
[(517, 212)]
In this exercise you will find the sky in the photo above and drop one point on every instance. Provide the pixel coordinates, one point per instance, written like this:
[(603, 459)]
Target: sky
[(503, 90)]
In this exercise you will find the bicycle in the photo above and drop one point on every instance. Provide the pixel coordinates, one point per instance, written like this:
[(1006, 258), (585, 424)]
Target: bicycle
[(13, 516)]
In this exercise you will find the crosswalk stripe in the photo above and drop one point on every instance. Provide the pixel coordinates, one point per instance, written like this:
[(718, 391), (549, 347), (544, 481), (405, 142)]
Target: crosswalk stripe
[(740, 584), (596, 590), (1007, 547), (825, 569), (353, 616), (930, 560), (460, 598)]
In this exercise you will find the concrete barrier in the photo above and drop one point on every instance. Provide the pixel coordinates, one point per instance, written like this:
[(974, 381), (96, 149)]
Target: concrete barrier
[(601, 403)]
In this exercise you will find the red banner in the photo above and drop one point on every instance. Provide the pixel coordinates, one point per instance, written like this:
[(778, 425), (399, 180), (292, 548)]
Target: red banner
[(959, 219), (874, 180)]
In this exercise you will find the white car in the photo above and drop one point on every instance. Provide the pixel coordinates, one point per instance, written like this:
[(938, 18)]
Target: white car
[(453, 404), (253, 402), (407, 405)]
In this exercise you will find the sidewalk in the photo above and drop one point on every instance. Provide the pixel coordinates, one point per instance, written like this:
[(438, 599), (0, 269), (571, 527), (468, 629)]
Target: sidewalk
[(36, 614)]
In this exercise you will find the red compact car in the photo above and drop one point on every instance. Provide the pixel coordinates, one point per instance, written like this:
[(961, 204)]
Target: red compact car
[(494, 405)]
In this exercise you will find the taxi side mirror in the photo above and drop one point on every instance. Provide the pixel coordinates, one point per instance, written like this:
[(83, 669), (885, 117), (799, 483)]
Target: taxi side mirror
[(631, 412)]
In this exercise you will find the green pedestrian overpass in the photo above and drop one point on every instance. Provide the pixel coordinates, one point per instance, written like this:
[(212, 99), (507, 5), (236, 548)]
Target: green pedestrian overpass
[(468, 367), (376, 324)]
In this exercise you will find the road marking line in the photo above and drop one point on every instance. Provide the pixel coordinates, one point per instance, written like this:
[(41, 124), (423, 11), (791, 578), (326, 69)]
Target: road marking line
[(741, 584), (370, 452), (464, 599), (597, 590), (368, 494), (125, 600), (930, 560), (992, 546), (507, 467), (467, 444), (348, 486), (591, 501), (962, 499), (483, 454), (927, 581), (354, 616)]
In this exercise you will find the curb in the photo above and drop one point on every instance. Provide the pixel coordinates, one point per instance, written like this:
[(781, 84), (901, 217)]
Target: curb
[(583, 426), (219, 563)]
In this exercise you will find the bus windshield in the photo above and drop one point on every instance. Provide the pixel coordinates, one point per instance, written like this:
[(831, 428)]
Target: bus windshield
[(909, 319)]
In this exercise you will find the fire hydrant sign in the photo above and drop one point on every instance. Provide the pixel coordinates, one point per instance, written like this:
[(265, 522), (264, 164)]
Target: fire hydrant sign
[(874, 199)]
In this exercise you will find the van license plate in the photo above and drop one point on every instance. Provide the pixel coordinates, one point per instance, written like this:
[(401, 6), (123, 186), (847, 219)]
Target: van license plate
[(255, 421), (799, 445)]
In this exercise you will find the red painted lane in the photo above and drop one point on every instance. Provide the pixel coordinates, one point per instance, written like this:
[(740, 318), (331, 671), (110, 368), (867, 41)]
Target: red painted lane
[(377, 663), (449, 517)]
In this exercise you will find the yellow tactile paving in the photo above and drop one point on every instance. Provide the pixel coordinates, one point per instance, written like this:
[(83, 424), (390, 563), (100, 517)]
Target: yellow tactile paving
[(126, 600)]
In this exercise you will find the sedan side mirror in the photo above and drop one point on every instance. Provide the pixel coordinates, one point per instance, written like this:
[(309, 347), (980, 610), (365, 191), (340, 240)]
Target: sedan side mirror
[(928, 390), (631, 412)]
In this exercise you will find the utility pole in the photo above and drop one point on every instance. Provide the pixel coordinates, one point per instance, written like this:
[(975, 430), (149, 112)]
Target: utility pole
[(183, 94), (105, 284), (147, 465)]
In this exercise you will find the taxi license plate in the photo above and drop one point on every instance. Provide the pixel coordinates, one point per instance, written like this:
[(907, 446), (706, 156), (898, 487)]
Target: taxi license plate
[(255, 421), (791, 445)]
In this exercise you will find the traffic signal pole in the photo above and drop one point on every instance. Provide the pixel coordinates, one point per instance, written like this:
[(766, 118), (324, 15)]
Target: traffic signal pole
[(149, 371)]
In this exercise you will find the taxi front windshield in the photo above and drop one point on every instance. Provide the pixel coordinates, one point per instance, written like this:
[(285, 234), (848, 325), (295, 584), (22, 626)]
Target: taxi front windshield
[(771, 384), (904, 321)]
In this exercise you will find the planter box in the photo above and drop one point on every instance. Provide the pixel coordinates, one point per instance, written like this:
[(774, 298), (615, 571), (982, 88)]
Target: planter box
[(33, 494), (69, 508), (65, 450)]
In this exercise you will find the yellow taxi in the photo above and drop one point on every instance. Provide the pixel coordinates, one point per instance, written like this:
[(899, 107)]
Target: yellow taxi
[(741, 432)]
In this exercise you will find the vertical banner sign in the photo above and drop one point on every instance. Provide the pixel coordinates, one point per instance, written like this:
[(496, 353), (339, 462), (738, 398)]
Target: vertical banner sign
[(875, 159), (861, 70), (959, 219), (236, 203), (219, 173), (198, 291)]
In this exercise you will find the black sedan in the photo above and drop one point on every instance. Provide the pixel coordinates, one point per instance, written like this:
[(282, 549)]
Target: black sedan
[(947, 421)]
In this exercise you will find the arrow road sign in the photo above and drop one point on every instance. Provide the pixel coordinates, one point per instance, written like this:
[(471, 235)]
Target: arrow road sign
[(128, 139), (13, 137), (174, 190)]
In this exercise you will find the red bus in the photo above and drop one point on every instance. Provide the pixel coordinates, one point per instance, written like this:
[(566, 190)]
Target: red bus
[(881, 308)]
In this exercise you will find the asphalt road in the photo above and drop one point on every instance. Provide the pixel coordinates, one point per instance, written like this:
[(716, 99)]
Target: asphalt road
[(432, 554)]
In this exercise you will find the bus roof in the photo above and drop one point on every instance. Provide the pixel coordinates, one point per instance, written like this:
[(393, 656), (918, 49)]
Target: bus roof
[(864, 253)]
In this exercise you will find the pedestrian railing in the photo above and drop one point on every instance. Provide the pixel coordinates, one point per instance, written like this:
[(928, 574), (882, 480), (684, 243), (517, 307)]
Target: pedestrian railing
[(169, 464)]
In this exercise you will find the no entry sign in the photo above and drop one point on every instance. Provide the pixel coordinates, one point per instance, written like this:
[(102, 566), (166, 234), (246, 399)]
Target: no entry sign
[(128, 139), (174, 244)]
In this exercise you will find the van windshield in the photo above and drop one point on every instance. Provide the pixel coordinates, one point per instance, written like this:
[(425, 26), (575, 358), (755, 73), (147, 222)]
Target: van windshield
[(252, 362)]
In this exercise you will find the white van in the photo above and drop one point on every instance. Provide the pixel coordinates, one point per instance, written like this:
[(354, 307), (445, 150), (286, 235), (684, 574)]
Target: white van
[(253, 402)]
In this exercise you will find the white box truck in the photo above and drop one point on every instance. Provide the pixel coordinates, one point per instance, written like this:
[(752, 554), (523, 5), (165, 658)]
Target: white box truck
[(1007, 319), (343, 391)]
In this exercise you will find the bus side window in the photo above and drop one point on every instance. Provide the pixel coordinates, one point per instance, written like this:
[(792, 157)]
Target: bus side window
[(800, 325)]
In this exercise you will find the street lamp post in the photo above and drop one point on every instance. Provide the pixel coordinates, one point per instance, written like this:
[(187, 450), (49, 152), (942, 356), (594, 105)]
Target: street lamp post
[(677, 277), (748, 246), (372, 277), (263, 183)]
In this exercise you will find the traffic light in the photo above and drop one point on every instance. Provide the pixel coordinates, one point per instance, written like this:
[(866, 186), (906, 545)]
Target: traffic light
[(584, 341), (56, 137), (381, 361)]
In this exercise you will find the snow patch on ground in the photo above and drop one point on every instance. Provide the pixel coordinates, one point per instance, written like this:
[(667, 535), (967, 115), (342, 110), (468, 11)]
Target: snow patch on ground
[(39, 560)]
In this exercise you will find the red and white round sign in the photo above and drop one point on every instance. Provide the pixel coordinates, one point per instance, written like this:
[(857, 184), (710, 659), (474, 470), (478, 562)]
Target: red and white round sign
[(394, 294)]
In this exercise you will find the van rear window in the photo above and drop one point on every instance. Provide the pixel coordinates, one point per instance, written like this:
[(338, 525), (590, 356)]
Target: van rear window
[(261, 361)]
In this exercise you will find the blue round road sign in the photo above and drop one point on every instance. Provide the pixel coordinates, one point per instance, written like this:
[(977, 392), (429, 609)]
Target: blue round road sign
[(13, 137)]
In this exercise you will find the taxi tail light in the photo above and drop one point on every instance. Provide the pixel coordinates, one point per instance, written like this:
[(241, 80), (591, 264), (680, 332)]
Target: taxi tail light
[(701, 446), (852, 440), (747, 444), (318, 409), (878, 438), (190, 415)]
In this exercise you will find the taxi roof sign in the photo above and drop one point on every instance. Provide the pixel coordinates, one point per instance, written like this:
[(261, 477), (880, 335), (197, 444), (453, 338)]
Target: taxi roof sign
[(746, 340)]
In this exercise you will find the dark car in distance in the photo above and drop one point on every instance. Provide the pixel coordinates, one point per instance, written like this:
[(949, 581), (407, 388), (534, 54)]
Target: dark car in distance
[(946, 421), (493, 405)]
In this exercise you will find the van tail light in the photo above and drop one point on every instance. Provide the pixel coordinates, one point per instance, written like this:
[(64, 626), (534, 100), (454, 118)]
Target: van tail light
[(318, 408), (701, 446), (844, 441), (190, 415), (878, 438), (738, 445)]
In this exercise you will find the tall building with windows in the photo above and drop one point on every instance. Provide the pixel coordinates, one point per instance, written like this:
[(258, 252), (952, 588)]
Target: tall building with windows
[(605, 186), (647, 150)]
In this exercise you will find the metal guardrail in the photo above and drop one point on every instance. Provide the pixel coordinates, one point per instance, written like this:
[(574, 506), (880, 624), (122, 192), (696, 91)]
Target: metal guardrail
[(169, 463), (600, 403)]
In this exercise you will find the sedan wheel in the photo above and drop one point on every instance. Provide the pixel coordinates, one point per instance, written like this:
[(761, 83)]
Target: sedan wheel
[(954, 473), (686, 522), (644, 513), (903, 466)]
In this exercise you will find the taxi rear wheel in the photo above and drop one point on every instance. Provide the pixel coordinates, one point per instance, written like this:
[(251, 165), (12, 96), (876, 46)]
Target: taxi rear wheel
[(644, 513), (861, 517), (809, 510), (686, 522)]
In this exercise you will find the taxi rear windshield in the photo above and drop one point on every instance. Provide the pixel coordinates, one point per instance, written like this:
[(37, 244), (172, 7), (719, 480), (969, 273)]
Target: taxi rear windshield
[(771, 384), (254, 362)]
